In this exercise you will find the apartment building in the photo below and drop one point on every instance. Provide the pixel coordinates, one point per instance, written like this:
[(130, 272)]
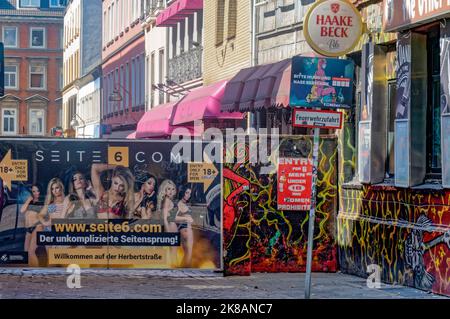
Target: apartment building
[(82, 68), (123, 66), (32, 33)]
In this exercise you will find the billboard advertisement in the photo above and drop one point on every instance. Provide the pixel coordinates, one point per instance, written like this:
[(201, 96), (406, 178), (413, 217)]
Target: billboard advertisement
[(294, 183), (110, 203), (321, 82)]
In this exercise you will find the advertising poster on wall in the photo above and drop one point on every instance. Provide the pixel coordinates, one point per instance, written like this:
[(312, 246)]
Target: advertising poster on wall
[(321, 82), (403, 76), (294, 183), (98, 203)]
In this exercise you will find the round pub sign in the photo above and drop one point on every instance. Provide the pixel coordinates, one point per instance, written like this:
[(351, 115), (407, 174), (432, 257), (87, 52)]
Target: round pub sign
[(333, 27)]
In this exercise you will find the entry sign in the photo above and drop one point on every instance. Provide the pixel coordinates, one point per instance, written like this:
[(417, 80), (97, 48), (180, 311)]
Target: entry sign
[(316, 118), (294, 183), (333, 27)]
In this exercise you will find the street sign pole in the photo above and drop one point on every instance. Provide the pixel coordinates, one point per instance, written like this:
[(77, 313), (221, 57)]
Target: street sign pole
[(312, 211)]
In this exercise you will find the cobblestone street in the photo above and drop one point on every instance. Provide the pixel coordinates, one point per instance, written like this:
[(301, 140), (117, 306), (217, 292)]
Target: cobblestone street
[(151, 284)]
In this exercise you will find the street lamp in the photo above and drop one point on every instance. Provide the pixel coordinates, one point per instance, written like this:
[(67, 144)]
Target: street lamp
[(74, 123)]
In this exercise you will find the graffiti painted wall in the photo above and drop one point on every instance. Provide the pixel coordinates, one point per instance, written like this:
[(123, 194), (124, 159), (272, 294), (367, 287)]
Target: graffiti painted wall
[(260, 238), (403, 231)]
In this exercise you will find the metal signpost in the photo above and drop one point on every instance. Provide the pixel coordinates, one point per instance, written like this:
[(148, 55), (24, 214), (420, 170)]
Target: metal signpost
[(332, 28), (312, 214)]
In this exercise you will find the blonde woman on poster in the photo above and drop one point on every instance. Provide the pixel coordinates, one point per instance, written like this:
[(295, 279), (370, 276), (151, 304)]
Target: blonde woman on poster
[(118, 201), (53, 206)]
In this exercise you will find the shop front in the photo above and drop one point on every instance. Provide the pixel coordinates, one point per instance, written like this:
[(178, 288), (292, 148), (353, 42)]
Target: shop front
[(394, 198)]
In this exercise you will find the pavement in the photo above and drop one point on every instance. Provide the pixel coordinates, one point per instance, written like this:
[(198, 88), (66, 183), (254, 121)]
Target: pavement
[(191, 284)]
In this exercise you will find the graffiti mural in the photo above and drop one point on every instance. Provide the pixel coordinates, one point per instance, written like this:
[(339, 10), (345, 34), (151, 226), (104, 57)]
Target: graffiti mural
[(260, 238), (403, 231)]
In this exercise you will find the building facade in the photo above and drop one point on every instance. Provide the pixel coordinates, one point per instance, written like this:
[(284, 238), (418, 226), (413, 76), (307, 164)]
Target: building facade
[(227, 45), (394, 197), (32, 33), (82, 68), (184, 47), (123, 66), (156, 55)]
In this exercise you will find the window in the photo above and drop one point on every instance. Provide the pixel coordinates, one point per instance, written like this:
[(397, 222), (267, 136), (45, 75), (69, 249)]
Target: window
[(116, 81), (11, 76), (390, 124), (10, 37), (105, 23), (61, 38), (60, 76), (56, 3), (182, 29), (36, 122), (147, 81), (30, 3), (152, 79), (232, 18), (220, 21), (133, 84), (9, 121), (121, 89), (105, 96), (113, 21), (127, 87), (161, 74), (37, 76), (37, 38), (59, 116), (433, 107)]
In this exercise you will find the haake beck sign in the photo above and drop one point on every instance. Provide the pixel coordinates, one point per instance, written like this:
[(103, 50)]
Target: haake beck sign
[(333, 27)]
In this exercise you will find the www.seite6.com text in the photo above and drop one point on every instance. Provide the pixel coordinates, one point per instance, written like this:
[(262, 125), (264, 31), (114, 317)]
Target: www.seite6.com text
[(119, 233)]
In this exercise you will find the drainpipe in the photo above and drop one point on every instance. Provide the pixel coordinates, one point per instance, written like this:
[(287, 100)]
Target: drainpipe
[(255, 5)]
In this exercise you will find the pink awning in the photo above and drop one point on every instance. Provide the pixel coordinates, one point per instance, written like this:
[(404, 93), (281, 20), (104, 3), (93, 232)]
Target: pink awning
[(203, 103), (177, 11), (156, 123), (132, 136)]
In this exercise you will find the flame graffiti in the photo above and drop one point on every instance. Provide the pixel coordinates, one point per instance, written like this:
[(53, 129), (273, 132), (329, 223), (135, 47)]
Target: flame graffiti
[(406, 232), (259, 237)]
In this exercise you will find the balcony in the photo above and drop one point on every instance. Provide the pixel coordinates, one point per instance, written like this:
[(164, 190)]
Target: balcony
[(152, 9), (187, 66)]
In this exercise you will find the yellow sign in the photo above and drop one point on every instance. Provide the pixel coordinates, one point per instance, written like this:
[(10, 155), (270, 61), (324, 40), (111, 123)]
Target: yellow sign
[(118, 156), (13, 170), (202, 173), (333, 27), (155, 256)]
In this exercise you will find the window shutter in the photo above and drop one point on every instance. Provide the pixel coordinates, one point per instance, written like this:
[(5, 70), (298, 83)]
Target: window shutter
[(232, 18), (372, 125), (445, 102), (411, 104), (220, 17)]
